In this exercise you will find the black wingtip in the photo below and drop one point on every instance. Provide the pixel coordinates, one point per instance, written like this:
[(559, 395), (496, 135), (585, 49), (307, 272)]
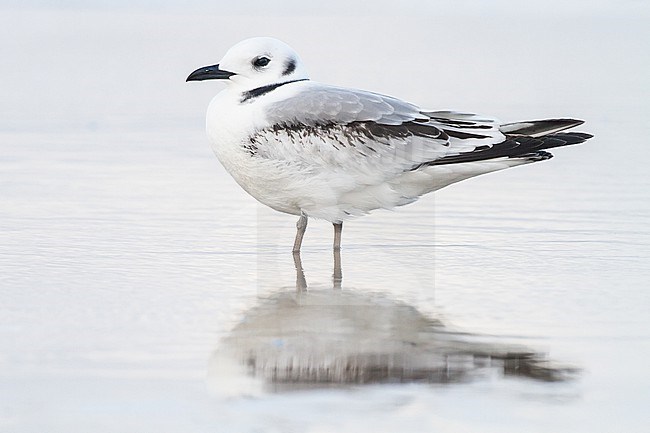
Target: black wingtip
[(537, 156), (567, 138), (584, 135), (539, 128)]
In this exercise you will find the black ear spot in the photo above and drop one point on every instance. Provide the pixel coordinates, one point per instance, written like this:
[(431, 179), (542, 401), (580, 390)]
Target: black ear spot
[(289, 67)]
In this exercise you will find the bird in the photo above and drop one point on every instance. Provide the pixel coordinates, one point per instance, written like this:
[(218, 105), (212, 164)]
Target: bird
[(321, 151)]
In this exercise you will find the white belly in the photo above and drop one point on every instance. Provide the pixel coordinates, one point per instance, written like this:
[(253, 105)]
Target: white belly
[(308, 175)]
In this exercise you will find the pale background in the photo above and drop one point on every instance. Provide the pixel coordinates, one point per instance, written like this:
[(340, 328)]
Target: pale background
[(128, 255)]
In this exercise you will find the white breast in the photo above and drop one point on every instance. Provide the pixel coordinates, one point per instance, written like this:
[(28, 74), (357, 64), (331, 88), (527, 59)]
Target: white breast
[(230, 124)]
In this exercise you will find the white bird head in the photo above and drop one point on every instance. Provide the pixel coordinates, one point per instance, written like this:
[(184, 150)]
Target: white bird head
[(254, 63)]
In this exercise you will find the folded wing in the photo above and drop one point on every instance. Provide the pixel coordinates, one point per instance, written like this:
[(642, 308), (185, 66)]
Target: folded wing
[(327, 127)]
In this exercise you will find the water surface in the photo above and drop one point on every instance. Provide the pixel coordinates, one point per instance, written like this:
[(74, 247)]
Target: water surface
[(142, 290)]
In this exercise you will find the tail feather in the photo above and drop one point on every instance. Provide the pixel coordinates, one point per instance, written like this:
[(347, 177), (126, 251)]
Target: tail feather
[(539, 128), (515, 146)]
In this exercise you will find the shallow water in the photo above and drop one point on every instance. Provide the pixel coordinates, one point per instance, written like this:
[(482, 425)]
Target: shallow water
[(142, 290)]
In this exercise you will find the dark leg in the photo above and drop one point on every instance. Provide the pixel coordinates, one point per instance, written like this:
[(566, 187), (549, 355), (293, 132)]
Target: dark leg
[(338, 227), (301, 281), (337, 277), (301, 225)]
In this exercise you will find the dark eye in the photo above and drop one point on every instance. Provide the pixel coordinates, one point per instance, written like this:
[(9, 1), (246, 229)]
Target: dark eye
[(260, 62)]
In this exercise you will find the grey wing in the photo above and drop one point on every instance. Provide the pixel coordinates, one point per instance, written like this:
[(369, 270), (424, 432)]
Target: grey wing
[(376, 134), (379, 136), (319, 103)]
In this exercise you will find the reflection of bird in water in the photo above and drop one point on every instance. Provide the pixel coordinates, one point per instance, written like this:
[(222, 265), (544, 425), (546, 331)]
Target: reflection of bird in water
[(315, 338)]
